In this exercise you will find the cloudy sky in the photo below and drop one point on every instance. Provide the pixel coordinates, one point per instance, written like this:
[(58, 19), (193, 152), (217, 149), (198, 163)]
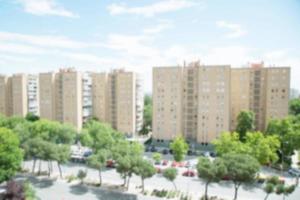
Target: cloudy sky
[(99, 35)]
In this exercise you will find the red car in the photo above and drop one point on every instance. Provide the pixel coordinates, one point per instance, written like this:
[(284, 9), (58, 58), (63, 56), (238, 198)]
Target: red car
[(177, 164), (189, 173), (165, 162), (110, 164)]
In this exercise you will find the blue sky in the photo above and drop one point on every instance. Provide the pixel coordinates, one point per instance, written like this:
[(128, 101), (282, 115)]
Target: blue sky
[(99, 35)]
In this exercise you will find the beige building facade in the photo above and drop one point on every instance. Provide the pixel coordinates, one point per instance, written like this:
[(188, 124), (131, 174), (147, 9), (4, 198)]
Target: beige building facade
[(200, 101), (61, 96), (262, 90), (116, 99)]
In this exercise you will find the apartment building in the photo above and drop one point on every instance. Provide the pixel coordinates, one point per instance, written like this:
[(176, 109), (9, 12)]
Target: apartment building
[(19, 95), (61, 96), (86, 96), (117, 99), (262, 90), (200, 101)]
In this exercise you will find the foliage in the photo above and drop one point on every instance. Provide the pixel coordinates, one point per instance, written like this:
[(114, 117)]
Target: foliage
[(103, 135), (32, 117), (179, 148), (30, 193), (156, 157), (263, 147), (288, 132), (85, 138), (294, 106), (144, 169), (10, 154), (170, 174), (245, 123), (147, 121), (241, 168), (81, 175), (98, 161), (211, 171)]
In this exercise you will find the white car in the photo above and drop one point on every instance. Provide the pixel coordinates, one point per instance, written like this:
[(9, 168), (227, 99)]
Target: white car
[(294, 172)]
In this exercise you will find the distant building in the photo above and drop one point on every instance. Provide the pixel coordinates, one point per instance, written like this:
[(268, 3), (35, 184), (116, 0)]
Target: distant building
[(200, 102), (118, 100), (19, 95)]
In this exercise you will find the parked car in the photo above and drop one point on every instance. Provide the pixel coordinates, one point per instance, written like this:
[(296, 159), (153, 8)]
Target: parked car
[(153, 149), (206, 154), (110, 164), (148, 149), (212, 154), (177, 164), (294, 172), (165, 151), (189, 173), (165, 162), (261, 178)]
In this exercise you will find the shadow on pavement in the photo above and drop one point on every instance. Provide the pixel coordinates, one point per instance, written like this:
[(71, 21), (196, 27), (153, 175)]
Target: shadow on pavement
[(103, 194), (78, 189), (40, 183)]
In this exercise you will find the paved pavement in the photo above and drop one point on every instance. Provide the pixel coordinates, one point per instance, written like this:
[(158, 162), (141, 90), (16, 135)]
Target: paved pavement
[(191, 185)]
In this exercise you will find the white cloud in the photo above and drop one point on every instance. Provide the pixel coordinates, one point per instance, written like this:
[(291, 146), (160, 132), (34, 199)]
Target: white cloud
[(43, 40), (162, 6), (163, 25), (45, 7), (20, 48), (236, 30)]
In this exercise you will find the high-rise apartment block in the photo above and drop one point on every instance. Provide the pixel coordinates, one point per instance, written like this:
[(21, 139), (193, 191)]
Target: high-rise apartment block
[(19, 95), (117, 99), (61, 96), (200, 101)]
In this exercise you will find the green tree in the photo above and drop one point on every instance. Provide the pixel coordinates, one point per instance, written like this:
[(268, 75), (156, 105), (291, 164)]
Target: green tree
[(210, 171), (147, 121), (294, 106), (230, 143), (127, 155), (98, 161), (30, 193), (62, 156), (81, 175), (33, 150), (241, 168), (32, 117), (263, 147), (145, 170), (269, 189), (156, 157), (245, 123), (179, 148), (170, 174), (85, 138), (10, 154)]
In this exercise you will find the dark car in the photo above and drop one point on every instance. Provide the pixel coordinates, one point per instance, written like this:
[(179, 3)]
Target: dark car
[(165, 151), (212, 154), (153, 149), (148, 149)]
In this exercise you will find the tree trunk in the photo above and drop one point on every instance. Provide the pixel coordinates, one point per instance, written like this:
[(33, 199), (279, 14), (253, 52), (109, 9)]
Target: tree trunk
[(49, 168), (59, 168), (40, 167), (267, 196), (206, 188), (174, 185), (100, 177), (33, 167), (128, 180), (236, 188), (125, 178), (143, 186)]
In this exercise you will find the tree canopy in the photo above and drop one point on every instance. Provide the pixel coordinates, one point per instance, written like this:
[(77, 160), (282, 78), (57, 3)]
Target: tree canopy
[(10, 154), (294, 106), (179, 148), (245, 123)]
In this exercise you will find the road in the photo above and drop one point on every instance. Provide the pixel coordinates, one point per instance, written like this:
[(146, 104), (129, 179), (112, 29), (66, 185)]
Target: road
[(190, 185)]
